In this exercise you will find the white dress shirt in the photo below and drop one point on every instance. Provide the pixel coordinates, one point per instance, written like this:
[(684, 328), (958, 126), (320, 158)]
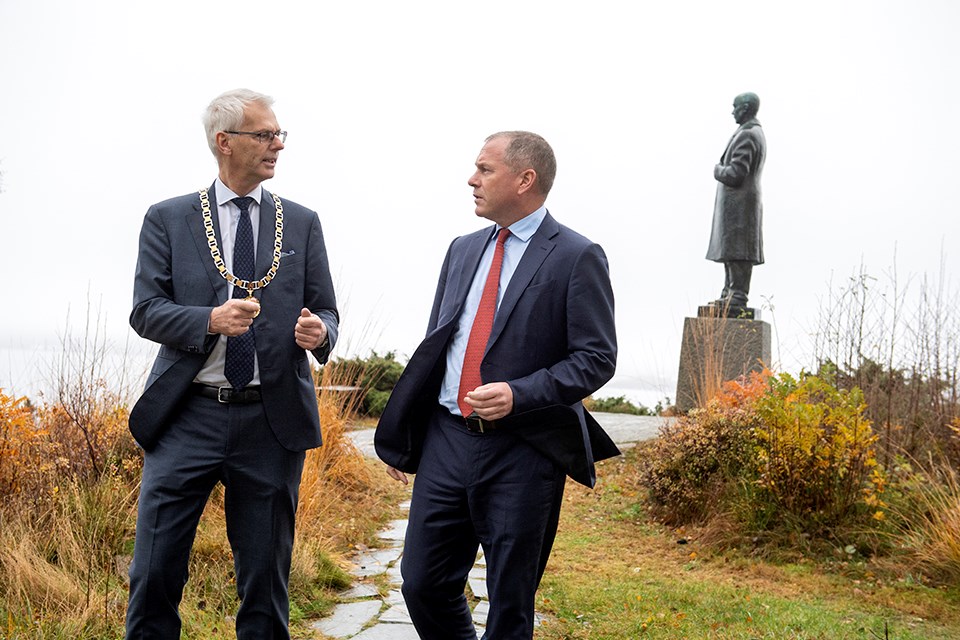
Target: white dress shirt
[(228, 215)]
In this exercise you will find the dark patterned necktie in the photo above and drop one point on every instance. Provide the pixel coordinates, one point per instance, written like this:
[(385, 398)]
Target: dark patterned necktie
[(482, 325), (241, 349)]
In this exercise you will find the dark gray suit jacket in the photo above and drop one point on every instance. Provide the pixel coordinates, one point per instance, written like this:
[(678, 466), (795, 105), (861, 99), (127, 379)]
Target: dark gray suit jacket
[(177, 285), (553, 340)]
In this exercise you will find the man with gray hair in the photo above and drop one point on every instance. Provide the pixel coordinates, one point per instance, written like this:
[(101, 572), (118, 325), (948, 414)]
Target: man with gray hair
[(488, 411), (233, 283)]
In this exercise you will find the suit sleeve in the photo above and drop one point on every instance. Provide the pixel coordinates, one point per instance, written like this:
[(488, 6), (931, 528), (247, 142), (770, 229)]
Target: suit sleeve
[(319, 296), (156, 316), (591, 342)]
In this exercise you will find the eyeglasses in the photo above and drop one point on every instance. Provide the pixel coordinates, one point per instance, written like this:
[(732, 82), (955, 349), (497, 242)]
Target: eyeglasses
[(262, 136)]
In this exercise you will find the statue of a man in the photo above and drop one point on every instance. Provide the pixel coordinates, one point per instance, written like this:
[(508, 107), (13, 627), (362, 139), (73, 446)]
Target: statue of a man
[(737, 239)]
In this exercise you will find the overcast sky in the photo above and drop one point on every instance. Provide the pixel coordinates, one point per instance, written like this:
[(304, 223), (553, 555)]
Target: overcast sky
[(387, 105)]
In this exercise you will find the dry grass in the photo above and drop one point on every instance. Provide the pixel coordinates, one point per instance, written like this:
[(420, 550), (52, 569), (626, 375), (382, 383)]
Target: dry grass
[(927, 523), (58, 560), (69, 477)]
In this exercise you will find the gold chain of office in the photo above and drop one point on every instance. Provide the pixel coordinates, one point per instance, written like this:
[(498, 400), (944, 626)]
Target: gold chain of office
[(249, 285)]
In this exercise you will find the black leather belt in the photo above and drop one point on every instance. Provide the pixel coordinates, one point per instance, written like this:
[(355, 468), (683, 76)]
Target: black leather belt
[(479, 425), (226, 395)]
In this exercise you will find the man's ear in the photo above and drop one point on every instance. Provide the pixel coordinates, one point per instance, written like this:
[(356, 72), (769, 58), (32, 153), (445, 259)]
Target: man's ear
[(527, 178), (223, 143)]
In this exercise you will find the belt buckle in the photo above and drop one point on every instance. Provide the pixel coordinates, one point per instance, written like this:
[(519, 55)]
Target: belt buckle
[(476, 425), (223, 395)]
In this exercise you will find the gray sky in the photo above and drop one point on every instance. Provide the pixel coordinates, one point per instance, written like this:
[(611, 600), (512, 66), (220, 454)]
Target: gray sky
[(388, 103)]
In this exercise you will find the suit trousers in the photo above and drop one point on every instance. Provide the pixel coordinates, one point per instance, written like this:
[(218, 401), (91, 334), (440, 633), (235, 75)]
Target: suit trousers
[(208, 442), (471, 490)]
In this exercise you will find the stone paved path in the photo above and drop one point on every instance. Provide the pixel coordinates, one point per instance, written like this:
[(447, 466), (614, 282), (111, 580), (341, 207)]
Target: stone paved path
[(364, 615)]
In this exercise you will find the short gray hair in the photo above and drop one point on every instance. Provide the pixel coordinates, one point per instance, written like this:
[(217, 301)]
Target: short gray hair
[(225, 112), (528, 150)]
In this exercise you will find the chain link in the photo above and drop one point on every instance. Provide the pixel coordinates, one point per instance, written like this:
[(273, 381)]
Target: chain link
[(248, 285)]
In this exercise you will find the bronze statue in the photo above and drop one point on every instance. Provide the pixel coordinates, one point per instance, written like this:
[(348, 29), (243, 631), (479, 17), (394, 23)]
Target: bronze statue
[(736, 239)]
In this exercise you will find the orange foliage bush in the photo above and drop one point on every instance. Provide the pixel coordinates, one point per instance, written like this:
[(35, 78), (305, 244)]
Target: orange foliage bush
[(698, 458), (43, 448), (20, 439), (773, 451)]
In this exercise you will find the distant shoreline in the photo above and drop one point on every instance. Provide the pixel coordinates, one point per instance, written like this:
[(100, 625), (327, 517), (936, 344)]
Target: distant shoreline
[(32, 371)]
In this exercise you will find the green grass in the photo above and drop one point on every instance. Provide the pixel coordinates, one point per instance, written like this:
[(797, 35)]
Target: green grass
[(617, 574), (699, 606)]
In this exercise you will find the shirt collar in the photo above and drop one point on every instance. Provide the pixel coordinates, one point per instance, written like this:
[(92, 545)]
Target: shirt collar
[(225, 195), (525, 227)]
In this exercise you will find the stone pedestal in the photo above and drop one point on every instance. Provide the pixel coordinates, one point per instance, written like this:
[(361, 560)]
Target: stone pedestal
[(716, 349)]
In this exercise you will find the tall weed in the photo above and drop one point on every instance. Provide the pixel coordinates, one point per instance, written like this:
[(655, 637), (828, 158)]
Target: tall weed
[(899, 342), (926, 520)]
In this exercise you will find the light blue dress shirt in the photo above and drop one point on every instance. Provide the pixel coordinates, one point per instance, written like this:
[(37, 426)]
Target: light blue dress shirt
[(517, 242)]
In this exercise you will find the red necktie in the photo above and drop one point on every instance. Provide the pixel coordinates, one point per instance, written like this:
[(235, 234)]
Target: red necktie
[(482, 325)]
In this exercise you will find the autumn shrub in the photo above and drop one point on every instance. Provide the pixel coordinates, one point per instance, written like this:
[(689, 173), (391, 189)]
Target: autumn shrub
[(85, 442), (816, 460), (770, 453), (20, 439), (43, 448), (704, 455)]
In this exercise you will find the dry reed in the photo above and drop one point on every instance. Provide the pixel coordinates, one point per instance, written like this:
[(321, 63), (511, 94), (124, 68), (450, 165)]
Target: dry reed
[(927, 522), (69, 478)]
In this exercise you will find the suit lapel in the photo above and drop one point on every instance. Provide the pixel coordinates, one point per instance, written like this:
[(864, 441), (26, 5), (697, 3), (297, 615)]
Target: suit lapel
[(541, 244), (267, 234), (194, 220)]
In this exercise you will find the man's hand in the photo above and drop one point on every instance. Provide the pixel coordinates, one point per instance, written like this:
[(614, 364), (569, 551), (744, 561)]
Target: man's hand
[(310, 331), (233, 317), (396, 474), (491, 401)]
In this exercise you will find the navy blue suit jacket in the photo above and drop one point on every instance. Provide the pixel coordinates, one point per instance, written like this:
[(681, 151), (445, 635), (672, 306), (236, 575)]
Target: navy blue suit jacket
[(177, 285), (553, 341)]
